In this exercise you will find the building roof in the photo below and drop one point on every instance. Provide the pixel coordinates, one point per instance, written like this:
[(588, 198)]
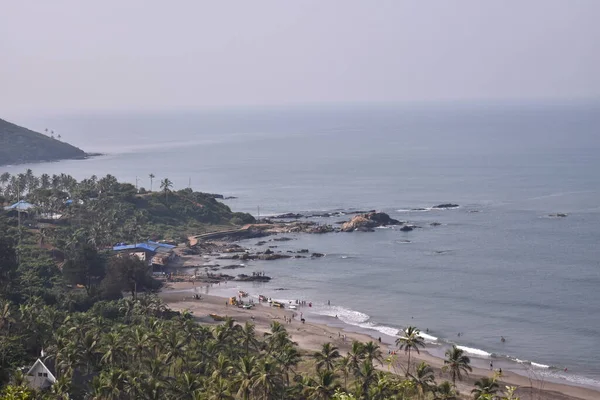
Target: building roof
[(20, 205), (40, 382), (149, 246)]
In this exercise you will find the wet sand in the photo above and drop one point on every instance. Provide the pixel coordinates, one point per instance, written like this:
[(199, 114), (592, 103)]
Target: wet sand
[(311, 335)]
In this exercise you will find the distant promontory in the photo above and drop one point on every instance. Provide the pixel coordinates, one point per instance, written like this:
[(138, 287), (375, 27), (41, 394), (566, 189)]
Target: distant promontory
[(20, 145)]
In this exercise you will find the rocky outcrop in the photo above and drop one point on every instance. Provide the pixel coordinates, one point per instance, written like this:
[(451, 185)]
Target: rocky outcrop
[(558, 215), (368, 221), (446, 205), (254, 278)]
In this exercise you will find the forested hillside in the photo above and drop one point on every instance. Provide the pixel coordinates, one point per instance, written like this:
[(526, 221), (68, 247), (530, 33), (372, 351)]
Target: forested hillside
[(21, 145)]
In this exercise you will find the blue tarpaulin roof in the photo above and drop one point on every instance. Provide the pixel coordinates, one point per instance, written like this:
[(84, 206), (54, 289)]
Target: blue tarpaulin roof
[(21, 205), (149, 245)]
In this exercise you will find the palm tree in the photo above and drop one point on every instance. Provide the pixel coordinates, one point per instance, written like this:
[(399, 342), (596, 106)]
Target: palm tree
[(187, 385), (166, 186), (323, 387), (326, 357), (245, 377), (151, 176), (287, 357), (219, 390), (423, 379), (355, 356), (113, 349), (45, 181), (343, 365), (457, 363), (411, 340), (365, 376), (485, 386), (445, 391), (268, 380), (4, 178), (248, 337), (372, 352)]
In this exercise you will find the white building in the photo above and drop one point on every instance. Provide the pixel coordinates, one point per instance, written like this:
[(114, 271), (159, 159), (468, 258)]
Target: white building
[(39, 376)]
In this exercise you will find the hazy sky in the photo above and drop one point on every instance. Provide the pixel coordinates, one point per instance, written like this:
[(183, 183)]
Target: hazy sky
[(65, 56)]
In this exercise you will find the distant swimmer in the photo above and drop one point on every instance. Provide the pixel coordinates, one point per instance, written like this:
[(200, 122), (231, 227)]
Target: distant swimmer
[(502, 339), (458, 334), (427, 330)]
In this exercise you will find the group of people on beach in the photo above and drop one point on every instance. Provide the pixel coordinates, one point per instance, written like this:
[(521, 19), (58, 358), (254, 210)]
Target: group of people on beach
[(260, 273), (303, 303)]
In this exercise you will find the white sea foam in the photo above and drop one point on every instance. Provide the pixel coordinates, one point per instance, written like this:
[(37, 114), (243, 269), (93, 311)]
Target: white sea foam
[(386, 330), (362, 320), (475, 352), (534, 364), (348, 316), (428, 338)]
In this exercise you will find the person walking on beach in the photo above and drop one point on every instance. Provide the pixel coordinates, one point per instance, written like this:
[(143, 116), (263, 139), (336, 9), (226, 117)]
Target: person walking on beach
[(491, 366)]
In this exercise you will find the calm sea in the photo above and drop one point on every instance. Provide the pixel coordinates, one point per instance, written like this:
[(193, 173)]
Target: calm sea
[(498, 265)]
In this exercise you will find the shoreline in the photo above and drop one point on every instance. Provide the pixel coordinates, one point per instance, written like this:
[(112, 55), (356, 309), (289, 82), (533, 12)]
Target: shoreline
[(320, 329)]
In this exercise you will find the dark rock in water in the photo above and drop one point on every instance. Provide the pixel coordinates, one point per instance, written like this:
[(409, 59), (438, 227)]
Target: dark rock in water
[(299, 256), (229, 197), (559, 215), (272, 247), (280, 288), (321, 229), (446, 205), (260, 243), (407, 228), (302, 251), (435, 224), (474, 211), (282, 239), (268, 251), (234, 257), (254, 278), (233, 266), (418, 209), (269, 257), (368, 221), (317, 255), (289, 216)]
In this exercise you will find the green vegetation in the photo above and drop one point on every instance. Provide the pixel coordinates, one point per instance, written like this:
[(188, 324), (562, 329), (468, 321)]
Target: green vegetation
[(104, 333), (105, 211), (21, 145)]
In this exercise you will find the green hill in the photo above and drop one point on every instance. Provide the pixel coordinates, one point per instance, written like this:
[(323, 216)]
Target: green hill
[(20, 145)]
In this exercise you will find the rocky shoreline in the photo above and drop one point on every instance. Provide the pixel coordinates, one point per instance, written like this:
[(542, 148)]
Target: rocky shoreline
[(211, 254)]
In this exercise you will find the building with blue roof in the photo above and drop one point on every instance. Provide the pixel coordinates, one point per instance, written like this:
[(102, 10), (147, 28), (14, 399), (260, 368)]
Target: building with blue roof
[(20, 206), (152, 252)]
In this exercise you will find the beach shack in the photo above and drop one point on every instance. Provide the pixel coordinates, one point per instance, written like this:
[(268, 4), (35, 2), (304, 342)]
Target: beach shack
[(155, 254), (20, 206), (40, 376)]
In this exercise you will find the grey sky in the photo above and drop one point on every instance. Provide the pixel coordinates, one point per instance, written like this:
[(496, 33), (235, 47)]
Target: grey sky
[(64, 56)]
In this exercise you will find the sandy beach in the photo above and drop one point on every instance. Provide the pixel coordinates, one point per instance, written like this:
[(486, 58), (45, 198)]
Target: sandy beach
[(310, 336)]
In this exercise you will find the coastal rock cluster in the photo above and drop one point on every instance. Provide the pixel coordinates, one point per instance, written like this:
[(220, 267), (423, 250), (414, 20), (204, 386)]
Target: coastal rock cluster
[(366, 222)]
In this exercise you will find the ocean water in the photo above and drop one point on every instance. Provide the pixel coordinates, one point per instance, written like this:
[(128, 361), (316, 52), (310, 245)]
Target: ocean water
[(498, 265)]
